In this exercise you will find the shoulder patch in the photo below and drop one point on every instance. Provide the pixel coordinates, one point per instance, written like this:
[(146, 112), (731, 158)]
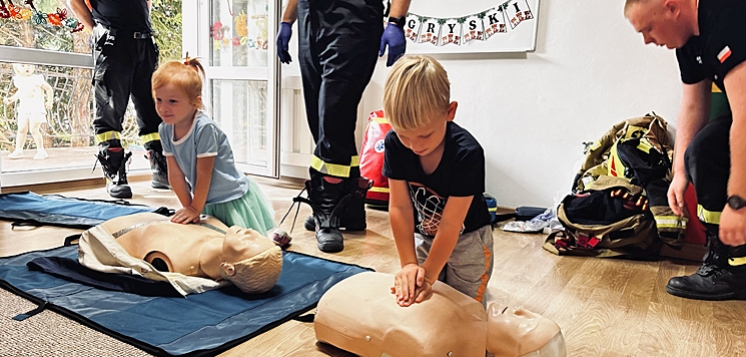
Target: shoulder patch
[(724, 54)]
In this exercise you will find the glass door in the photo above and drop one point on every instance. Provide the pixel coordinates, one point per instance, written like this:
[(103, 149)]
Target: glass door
[(241, 87)]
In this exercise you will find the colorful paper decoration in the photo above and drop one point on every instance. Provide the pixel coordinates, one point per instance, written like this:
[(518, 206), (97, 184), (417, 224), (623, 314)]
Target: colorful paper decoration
[(241, 21), (28, 11)]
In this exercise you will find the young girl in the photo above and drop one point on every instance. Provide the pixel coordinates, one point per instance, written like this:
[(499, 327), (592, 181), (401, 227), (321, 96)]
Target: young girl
[(200, 157)]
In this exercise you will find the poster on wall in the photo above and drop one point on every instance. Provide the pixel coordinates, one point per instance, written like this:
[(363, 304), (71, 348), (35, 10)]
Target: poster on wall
[(436, 26)]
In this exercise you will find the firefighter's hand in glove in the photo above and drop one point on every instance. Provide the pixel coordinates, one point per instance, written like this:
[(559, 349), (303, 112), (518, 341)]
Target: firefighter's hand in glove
[(393, 37), (283, 38)]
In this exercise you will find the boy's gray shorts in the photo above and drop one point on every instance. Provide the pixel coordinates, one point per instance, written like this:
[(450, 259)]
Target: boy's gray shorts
[(469, 268)]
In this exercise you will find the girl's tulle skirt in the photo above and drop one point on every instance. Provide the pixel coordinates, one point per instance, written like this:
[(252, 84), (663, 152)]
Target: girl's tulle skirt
[(253, 210)]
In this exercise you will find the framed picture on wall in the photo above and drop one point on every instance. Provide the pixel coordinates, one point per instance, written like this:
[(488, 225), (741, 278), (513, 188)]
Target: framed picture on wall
[(437, 26)]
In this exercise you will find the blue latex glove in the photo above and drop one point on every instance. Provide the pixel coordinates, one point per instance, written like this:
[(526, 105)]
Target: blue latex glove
[(393, 36), (283, 37)]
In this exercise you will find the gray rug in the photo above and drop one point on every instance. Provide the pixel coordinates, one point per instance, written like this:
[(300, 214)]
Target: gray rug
[(51, 334)]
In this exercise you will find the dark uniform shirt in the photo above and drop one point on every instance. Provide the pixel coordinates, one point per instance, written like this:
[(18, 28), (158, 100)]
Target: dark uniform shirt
[(127, 15), (460, 173), (720, 46)]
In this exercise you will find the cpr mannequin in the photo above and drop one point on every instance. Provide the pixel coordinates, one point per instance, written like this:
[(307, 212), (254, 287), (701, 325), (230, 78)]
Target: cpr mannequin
[(207, 249), (360, 315), (32, 107)]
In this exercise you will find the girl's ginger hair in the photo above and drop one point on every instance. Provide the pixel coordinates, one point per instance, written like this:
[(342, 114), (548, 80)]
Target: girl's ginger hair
[(186, 75)]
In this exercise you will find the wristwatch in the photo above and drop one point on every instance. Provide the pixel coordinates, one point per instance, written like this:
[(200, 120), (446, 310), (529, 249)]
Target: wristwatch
[(398, 21), (736, 202)]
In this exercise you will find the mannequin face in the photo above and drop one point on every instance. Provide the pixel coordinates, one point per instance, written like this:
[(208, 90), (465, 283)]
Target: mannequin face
[(241, 244), (515, 331)]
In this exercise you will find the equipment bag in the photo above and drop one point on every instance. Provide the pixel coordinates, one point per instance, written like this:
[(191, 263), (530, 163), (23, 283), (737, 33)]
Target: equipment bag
[(605, 221), (371, 160), (619, 204)]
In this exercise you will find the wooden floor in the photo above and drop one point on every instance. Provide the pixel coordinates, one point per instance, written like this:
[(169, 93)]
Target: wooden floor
[(604, 307)]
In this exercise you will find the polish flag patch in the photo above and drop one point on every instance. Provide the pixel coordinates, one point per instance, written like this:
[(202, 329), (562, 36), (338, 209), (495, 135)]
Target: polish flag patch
[(724, 54)]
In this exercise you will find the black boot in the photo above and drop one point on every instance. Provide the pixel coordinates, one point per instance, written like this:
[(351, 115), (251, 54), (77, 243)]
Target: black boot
[(114, 164), (325, 198), (352, 217), (717, 279), (158, 169)]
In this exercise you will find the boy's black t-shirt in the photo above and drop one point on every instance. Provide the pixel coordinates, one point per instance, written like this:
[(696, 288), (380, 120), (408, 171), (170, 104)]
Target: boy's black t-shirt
[(122, 15), (460, 173), (720, 46)]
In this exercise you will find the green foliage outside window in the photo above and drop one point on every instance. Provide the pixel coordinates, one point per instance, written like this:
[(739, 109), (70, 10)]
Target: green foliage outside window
[(70, 120)]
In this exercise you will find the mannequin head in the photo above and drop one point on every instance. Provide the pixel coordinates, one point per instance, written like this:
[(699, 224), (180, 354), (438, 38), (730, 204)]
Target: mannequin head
[(515, 331), (250, 261)]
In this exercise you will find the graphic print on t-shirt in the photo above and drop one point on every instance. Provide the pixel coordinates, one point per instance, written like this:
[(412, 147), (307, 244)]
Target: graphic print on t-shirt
[(428, 207)]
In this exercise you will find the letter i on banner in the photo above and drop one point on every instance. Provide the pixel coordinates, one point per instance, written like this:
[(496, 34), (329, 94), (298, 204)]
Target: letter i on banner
[(494, 22), (517, 11), (412, 27), (473, 29), (429, 31), (451, 31)]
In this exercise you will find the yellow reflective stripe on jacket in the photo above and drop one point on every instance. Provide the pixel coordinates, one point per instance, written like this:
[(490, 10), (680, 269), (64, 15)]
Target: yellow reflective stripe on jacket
[(335, 170), (734, 262), (708, 216), (379, 189), (615, 166), (634, 131), (644, 145), (109, 135), (670, 222), (144, 139)]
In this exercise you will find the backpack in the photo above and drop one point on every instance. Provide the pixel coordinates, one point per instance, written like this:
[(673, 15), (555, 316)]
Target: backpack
[(619, 204), (371, 160)]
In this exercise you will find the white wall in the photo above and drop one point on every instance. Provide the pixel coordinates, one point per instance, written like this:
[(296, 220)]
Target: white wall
[(531, 112)]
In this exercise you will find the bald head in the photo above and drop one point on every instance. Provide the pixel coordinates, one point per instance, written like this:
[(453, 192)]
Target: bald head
[(629, 3), (667, 23)]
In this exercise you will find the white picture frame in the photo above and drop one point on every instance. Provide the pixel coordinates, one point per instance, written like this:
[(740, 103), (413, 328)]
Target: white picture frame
[(499, 33)]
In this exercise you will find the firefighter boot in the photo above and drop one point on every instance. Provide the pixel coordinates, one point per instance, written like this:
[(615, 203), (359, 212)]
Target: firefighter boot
[(325, 201), (114, 164), (158, 169), (353, 217), (721, 277)]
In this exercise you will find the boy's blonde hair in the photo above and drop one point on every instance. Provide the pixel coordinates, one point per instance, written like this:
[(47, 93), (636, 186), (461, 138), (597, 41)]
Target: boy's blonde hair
[(417, 87), (186, 75)]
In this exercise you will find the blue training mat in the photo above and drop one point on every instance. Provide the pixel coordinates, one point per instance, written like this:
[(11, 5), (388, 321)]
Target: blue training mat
[(58, 210), (198, 325)]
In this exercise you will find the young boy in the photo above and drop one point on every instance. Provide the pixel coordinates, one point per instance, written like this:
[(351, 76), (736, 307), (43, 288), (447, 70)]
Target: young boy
[(438, 214)]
